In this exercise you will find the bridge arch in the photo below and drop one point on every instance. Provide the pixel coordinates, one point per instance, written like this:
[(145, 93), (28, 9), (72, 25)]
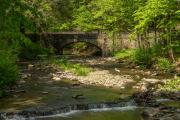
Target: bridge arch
[(97, 49)]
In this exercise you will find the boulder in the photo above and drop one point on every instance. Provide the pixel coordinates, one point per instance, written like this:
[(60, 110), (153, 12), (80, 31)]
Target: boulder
[(45, 92), (78, 96), (117, 70), (56, 78), (30, 67), (151, 80), (148, 73), (137, 67), (26, 76), (137, 77)]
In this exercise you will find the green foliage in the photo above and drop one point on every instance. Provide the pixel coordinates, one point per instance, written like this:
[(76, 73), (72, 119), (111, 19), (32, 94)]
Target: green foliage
[(124, 54), (38, 15), (8, 68), (147, 57), (106, 15), (32, 51), (143, 57), (158, 50), (176, 47), (164, 64), (172, 85), (77, 69)]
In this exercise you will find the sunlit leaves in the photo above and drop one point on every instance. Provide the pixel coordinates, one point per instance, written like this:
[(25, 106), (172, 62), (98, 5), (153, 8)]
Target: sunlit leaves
[(157, 11)]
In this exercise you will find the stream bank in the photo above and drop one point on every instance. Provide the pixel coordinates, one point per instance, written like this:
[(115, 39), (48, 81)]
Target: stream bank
[(45, 90)]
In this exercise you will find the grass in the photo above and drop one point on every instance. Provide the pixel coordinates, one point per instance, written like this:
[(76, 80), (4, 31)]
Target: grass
[(75, 68), (164, 64), (172, 85), (123, 54)]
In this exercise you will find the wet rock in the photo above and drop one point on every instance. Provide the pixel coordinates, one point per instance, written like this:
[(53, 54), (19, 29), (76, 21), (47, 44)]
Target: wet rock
[(30, 67), (59, 72), (76, 84), (150, 112), (44, 77), (19, 91), (117, 70), (74, 79), (151, 80), (154, 74), (78, 96), (137, 67), (22, 82), (176, 116), (143, 87), (45, 92), (2, 116), (120, 61), (26, 76), (15, 96), (82, 107), (56, 78), (175, 76), (148, 73), (38, 68), (126, 76), (137, 77), (136, 87)]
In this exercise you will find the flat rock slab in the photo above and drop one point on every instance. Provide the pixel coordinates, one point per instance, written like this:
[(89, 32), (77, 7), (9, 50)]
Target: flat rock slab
[(151, 80)]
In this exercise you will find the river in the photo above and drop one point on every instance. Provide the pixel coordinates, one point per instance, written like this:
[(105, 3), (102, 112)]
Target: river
[(39, 97)]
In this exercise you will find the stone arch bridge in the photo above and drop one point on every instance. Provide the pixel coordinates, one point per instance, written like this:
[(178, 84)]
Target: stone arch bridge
[(61, 39)]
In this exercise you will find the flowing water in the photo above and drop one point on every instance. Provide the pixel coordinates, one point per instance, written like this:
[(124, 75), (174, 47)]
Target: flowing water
[(118, 113), (44, 99)]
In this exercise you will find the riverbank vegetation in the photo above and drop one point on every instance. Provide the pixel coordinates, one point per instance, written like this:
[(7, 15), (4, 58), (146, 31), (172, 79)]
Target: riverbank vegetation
[(171, 85), (146, 59), (76, 68), (124, 54), (153, 24), (8, 68)]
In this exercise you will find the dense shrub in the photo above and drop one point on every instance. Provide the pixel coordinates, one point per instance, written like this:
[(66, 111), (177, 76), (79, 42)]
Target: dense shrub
[(8, 69), (143, 57), (33, 50)]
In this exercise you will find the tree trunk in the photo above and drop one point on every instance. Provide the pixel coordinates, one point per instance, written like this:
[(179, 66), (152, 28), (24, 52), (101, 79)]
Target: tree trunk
[(138, 40), (155, 35), (171, 55)]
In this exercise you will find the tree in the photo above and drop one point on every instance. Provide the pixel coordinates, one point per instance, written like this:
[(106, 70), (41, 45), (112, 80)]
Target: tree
[(163, 15)]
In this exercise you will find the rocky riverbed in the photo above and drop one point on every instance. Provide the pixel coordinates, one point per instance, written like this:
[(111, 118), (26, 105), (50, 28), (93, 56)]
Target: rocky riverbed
[(48, 88), (109, 73), (159, 104)]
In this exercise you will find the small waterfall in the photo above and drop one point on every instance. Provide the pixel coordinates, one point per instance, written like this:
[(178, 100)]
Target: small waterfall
[(69, 110)]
